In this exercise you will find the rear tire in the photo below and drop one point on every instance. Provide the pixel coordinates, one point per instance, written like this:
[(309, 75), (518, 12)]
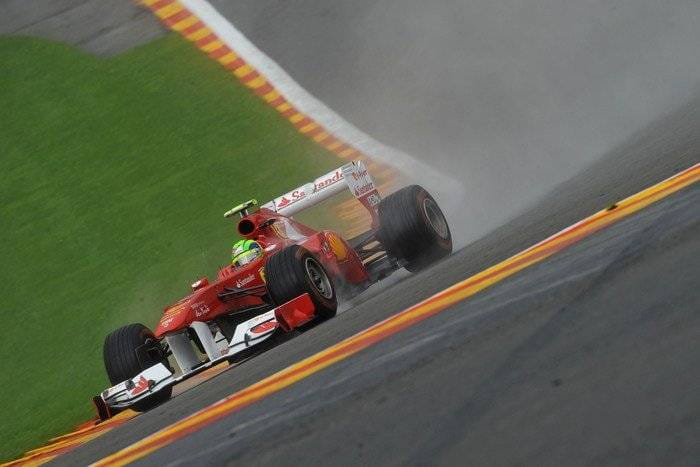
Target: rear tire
[(413, 228), (124, 358), (293, 272)]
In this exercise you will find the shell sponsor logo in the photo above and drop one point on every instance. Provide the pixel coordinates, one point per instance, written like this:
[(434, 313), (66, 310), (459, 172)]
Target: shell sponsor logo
[(338, 247), (264, 327), (172, 312), (262, 275)]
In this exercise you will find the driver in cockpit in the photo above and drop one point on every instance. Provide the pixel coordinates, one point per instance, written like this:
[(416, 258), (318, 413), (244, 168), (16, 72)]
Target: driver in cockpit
[(245, 252)]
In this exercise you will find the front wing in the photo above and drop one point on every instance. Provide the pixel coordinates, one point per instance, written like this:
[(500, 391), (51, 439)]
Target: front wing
[(247, 334)]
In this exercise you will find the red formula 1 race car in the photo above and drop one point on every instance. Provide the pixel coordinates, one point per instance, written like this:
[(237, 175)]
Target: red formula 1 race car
[(292, 282)]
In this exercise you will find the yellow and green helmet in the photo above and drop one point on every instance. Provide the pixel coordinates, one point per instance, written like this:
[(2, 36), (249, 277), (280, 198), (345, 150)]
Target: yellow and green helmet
[(245, 251)]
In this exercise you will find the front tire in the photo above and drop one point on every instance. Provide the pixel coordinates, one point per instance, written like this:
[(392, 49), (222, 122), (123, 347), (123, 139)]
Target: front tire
[(413, 229), (293, 272), (126, 355)]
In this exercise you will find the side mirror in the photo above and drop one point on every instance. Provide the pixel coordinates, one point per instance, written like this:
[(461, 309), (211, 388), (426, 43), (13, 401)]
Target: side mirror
[(201, 283)]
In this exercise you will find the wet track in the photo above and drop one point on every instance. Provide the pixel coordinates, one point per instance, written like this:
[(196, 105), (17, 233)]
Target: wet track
[(587, 358), (567, 364), (510, 98)]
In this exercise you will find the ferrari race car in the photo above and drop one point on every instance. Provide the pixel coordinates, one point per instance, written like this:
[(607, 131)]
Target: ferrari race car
[(293, 283)]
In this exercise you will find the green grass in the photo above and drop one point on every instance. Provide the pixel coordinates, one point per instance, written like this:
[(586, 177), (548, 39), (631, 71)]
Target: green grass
[(114, 175)]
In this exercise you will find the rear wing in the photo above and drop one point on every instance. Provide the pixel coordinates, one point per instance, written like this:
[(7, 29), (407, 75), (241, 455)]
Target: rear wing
[(353, 176)]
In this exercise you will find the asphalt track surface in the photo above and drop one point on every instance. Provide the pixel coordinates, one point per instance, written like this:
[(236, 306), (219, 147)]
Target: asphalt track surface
[(568, 364), (588, 357), (511, 98), (103, 27)]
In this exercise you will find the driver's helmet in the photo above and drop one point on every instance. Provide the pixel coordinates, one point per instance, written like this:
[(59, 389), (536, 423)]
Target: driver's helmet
[(245, 251)]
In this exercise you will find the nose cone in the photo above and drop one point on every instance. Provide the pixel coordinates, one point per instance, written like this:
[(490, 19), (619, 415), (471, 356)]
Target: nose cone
[(175, 318)]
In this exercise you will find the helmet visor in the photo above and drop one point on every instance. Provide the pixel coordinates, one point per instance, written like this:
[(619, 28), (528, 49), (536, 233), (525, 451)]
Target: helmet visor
[(246, 257)]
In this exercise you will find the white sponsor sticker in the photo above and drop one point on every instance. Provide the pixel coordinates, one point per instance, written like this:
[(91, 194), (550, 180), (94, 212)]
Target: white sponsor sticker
[(360, 181), (240, 283), (328, 180), (200, 309)]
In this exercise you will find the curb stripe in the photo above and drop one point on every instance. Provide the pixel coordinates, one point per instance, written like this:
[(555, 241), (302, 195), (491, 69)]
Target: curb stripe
[(266, 88), (161, 3), (205, 40), (220, 52), (88, 431), (197, 32), (170, 13), (404, 319), (180, 19), (176, 17), (173, 13), (62, 444), (188, 25), (235, 64)]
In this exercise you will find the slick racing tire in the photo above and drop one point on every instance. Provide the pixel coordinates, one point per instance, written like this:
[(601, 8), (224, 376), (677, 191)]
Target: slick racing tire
[(413, 229), (293, 272), (125, 356)]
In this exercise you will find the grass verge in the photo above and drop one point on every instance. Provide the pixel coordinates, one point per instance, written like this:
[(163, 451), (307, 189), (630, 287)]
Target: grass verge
[(114, 174)]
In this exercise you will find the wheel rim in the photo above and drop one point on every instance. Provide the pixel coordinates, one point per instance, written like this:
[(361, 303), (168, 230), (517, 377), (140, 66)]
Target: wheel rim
[(319, 278), (436, 218)]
